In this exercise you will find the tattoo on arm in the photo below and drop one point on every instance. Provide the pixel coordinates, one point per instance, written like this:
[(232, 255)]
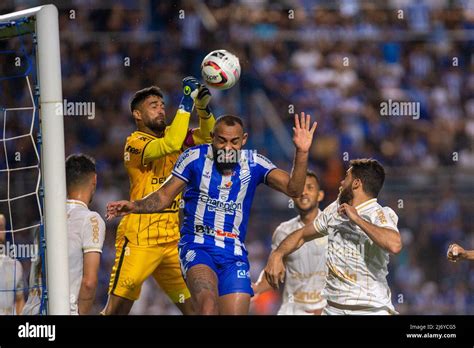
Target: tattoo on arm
[(148, 205)]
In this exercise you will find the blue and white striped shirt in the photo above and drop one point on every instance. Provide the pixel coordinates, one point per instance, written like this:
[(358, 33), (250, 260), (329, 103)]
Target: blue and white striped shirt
[(217, 207)]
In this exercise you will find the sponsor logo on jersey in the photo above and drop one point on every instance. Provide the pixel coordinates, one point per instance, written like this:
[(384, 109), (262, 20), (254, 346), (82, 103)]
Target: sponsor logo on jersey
[(133, 150), (307, 297), (95, 229), (215, 204), (226, 186), (381, 217), (158, 181), (207, 230)]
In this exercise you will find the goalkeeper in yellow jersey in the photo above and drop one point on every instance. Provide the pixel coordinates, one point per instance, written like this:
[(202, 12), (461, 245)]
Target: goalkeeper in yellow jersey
[(148, 244)]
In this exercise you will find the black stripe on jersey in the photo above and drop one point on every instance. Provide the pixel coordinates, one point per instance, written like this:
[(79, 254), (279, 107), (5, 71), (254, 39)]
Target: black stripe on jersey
[(143, 152), (119, 267), (166, 229), (148, 229), (169, 211), (138, 232)]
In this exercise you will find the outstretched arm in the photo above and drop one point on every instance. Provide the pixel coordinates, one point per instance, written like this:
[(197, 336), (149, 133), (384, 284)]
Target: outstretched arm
[(153, 203), (275, 269), (202, 135), (176, 134), (292, 185)]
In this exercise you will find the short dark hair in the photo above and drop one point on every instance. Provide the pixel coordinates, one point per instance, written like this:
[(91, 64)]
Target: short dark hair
[(78, 167), (370, 172), (142, 94), (313, 175), (229, 120)]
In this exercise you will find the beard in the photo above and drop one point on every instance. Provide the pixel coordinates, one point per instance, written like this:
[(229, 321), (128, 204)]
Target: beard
[(223, 161), (157, 126), (345, 195)]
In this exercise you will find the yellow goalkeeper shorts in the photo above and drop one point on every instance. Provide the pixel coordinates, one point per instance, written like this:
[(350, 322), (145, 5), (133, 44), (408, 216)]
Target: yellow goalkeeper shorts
[(135, 263)]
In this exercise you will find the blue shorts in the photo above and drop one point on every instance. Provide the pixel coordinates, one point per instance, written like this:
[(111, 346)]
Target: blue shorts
[(233, 272)]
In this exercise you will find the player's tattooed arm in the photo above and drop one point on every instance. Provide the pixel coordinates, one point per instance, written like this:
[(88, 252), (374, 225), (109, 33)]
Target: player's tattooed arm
[(153, 203)]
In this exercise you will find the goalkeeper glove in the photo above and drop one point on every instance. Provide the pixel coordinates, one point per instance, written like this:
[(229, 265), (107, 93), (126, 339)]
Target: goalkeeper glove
[(203, 99), (190, 91)]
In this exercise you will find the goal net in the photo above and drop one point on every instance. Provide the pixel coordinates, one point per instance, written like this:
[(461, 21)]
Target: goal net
[(33, 239)]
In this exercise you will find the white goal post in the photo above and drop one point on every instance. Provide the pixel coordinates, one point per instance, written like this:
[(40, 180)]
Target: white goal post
[(52, 154)]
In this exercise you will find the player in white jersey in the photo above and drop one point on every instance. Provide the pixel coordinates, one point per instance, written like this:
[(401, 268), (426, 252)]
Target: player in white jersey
[(305, 275), (361, 234), (86, 233), (11, 279)]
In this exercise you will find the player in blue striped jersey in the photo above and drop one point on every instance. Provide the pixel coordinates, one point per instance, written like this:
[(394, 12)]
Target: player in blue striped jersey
[(219, 182)]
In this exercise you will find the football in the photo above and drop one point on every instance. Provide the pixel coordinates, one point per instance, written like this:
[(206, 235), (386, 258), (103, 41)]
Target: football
[(220, 69)]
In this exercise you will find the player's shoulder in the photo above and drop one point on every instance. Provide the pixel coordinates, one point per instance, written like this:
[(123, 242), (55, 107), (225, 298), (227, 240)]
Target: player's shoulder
[(286, 227), (92, 218), (190, 130), (390, 212), (95, 215), (137, 141), (331, 208), (191, 154), (141, 136), (260, 159), (198, 151)]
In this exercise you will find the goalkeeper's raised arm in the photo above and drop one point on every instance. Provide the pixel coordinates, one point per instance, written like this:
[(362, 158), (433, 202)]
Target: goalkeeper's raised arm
[(176, 135), (201, 135)]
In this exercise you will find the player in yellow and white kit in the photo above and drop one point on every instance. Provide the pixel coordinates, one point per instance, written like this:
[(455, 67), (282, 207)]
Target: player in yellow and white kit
[(147, 245), (361, 235)]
